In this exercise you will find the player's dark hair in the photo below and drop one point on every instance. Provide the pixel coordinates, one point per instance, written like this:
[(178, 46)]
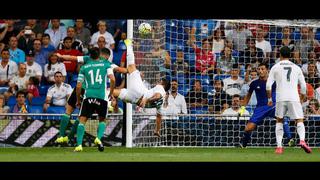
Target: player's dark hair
[(220, 81), (264, 64), (235, 96), (5, 49), (46, 35), (67, 38), (285, 52), (58, 72), (94, 53), (105, 51), (166, 83), (21, 92), (35, 80)]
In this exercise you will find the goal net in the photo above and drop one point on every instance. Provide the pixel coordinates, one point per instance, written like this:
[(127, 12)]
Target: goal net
[(213, 60)]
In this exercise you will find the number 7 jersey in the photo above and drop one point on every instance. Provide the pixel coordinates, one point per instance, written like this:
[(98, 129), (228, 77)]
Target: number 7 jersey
[(94, 74), (287, 76)]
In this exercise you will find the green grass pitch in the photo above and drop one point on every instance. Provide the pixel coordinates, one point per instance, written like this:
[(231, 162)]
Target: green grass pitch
[(122, 154)]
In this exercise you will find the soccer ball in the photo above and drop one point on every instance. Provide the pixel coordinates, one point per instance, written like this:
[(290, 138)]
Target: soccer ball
[(144, 29)]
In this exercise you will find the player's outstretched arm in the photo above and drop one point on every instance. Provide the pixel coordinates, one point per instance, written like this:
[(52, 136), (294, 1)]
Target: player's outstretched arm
[(67, 57), (112, 83)]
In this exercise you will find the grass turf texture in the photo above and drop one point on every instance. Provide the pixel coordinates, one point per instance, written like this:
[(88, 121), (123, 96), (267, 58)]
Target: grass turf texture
[(121, 154)]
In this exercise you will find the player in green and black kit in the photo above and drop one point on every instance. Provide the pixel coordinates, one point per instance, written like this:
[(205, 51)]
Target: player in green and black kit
[(71, 104), (94, 74)]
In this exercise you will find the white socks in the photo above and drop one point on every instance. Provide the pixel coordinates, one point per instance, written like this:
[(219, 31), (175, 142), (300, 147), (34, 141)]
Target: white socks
[(279, 134), (301, 131), (130, 55)]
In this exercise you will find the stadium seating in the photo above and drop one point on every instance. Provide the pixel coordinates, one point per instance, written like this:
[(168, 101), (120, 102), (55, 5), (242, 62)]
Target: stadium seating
[(38, 101), (56, 110)]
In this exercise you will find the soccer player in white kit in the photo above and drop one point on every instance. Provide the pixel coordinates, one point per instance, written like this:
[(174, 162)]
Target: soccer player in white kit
[(287, 76), (137, 93)]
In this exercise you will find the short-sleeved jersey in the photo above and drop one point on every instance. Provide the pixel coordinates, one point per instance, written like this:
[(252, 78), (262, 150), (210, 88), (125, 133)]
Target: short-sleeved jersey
[(287, 75), (59, 94), (94, 75), (259, 86), (86, 59)]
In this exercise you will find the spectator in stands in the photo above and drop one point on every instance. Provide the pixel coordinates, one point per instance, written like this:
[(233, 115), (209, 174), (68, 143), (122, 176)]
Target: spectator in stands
[(296, 58), (57, 33), (25, 39), (234, 109), (313, 75), (101, 42), (284, 41), (138, 54), (46, 43), (8, 68), (8, 32), (21, 106), (218, 40), (158, 30), (3, 108), (174, 102), (205, 59), (33, 68), (33, 88), (221, 99), (251, 74), (121, 45), (264, 45), (18, 82), (251, 54), (75, 43), (305, 44), (159, 53), (179, 65), (313, 107), (40, 56), (238, 36), (233, 84), (35, 27), (312, 58), (52, 67), (16, 54), (82, 33), (196, 97), (58, 93), (225, 61), (71, 66), (102, 25)]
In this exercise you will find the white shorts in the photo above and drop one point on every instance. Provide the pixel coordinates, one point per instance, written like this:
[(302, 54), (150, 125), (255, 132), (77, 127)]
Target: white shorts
[(292, 109), (135, 88)]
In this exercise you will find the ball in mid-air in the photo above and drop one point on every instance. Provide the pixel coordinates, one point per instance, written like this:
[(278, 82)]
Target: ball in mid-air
[(144, 29)]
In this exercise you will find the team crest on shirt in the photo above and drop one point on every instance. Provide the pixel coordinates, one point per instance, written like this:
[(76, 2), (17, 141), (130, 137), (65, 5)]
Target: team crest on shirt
[(258, 87), (53, 69), (30, 71)]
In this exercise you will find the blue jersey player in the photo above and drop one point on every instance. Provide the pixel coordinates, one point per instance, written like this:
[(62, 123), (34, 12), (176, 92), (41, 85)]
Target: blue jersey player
[(262, 109)]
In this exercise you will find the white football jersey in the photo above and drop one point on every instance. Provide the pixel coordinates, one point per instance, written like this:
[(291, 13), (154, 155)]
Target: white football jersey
[(157, 89), (287, 75)]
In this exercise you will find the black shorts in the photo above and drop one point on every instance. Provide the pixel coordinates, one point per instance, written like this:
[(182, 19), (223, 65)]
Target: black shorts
[(73, 97), (90, 106)]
